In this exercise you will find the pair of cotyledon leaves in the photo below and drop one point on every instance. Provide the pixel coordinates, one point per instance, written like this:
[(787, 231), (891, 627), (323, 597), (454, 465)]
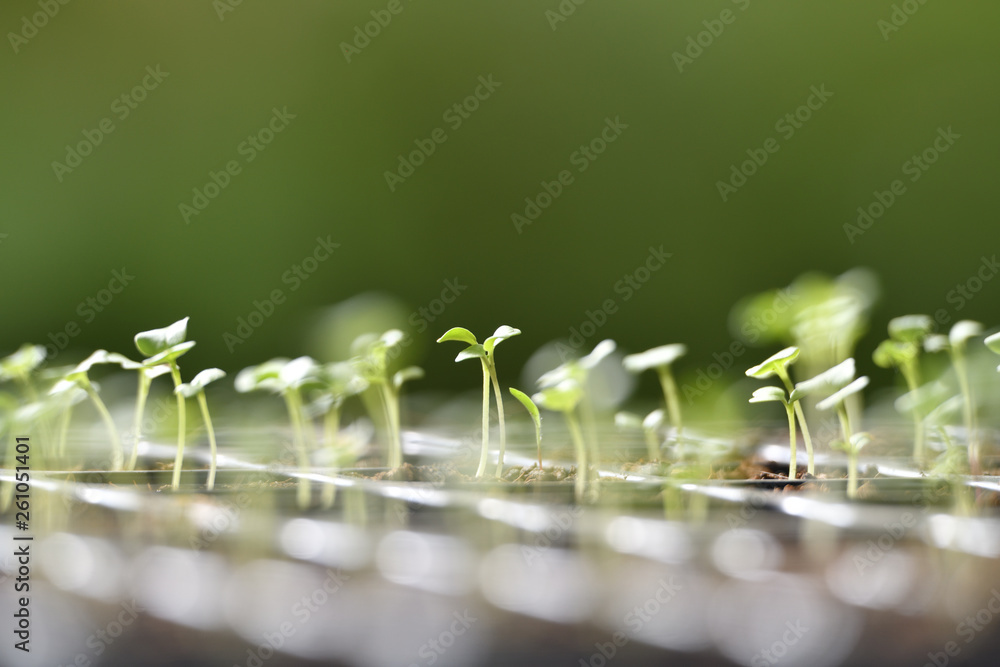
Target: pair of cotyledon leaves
[(838, 379)]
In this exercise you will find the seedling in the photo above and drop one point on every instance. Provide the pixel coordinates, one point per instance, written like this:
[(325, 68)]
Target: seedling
[(955, 344), (146, 376), (19, 367), (372, 364), (197, 388), (486, 353), (532, 409), (767, 394), (78, 378), (851, 443), (166, 346), (660, 360), (287, 378), (650, 426), (579, 370), (902, 351), (777, 364), (565, 397)]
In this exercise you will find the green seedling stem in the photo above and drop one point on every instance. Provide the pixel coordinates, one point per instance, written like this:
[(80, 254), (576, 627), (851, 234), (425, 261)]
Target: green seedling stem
[(797, 407)]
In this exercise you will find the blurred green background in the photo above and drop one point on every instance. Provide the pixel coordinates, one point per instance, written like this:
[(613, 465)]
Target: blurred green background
[(323, 175)]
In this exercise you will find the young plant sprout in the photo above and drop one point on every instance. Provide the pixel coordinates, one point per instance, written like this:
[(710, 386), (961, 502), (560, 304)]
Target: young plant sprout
[(372, 364), (486, 353), (902, 351), (19, 367), (197, 388), (532, 409), (78, 378), (166, 346), (955, 343), (565, 397), (660, 359), (579, 370), (339, 381), (851, 442), (649, 425), (286, 378), (767, 394), (777, 364), (146, 376)]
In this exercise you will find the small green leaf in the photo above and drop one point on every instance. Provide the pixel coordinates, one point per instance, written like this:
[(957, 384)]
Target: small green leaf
[(263, 376), (656, 357), (528, 404), (627, 420), (501, 334), (563, 397), (935, 343), (860, 440), (153, 372), (993, 342), (600, 351), (893, 353), (471, 352), (767, 394), (207, 377), (770, 366), (841, 395), (407, 374), (460, 334), (298, 372), (654, 420), (168, 355), (342, 380), (963, 331), (22, 363), (830, 379), (910, 328), (948, 412), (392, 338), (153, 342)]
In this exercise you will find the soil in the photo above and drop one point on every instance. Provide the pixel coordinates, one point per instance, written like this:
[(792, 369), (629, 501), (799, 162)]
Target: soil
[(446, 473)]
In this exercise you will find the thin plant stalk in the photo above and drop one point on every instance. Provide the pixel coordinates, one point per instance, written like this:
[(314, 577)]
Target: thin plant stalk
[(852, 454), (669, 386), (484, 453), (117, 454), (911, 375), (203, 404), (294, 405), (175, 373), (580, 485), (499, 401), (787, 381), (391, 406), (63, 432), (792, 440), (652, 444), (331, 427), (140, 407), (962, 372)]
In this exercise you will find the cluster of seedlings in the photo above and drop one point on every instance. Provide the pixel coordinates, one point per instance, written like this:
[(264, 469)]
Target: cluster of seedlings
[(821, 328)]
